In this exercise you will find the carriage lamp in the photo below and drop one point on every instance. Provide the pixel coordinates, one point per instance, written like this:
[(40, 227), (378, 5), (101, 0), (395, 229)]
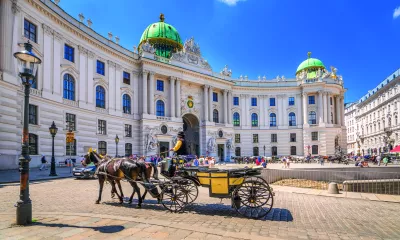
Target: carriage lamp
[(116, 145), (53, 131), (28, 64)]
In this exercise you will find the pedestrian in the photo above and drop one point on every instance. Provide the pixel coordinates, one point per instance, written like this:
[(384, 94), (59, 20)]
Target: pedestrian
[(322, 160), (196, 162), (378, 160), (284, 162), (288, 162), (43, 165), (385, 160)]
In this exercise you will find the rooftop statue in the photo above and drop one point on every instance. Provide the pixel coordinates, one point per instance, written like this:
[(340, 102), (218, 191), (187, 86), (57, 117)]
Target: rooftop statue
[(147, 47), (226, 72), (191, 46), (264, 78)]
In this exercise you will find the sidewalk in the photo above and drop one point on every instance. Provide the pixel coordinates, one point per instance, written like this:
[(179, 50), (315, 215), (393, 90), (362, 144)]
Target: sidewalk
[(353, 195), (12, 176)]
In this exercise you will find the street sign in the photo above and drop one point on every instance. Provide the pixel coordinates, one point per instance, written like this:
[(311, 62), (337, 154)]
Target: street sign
[(70, 137)]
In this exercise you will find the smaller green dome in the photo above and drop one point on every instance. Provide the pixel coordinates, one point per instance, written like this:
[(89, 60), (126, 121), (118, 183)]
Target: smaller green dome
[(310, 63)]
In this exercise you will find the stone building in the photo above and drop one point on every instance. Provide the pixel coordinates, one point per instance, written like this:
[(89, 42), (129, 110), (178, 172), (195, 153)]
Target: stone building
[(147, 94)]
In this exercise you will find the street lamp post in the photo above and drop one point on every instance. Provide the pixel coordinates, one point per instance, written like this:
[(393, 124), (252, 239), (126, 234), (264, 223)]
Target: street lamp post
[(27, 66), (116, 145), (264, 150), (53, 131)]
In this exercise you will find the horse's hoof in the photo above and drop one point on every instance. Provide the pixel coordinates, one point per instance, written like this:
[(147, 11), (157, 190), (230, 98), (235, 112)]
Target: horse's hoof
[(97, 202), (112, 195)]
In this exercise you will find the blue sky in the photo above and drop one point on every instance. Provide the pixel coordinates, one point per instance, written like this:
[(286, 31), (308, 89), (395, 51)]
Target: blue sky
[(268, 37)]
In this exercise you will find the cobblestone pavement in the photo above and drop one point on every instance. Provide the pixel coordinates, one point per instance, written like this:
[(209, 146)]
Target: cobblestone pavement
[(294, 216)]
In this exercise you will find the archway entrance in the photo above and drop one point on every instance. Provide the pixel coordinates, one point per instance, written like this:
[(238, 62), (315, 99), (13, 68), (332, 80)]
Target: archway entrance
[(192, 136)]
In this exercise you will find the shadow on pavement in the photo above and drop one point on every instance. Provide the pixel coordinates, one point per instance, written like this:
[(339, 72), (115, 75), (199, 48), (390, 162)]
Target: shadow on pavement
[(210, 209), (102, 229)]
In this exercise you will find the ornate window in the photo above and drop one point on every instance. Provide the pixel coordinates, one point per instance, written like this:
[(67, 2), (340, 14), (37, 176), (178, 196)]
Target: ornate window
[(312, 118), (292, 119), (102, 146), (33, 144), (293, 150), (126, 104), (100, 97), (254, 120), (272, 120), (274, 151), (69, 87), (215, 116), (236, 119), (29, 30), (128, 149), (160, 106), (237, 151), (314, 149), (255, 151)]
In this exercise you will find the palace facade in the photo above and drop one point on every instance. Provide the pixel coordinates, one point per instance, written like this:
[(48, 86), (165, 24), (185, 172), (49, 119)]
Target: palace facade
[(145, 95), (372, 122)]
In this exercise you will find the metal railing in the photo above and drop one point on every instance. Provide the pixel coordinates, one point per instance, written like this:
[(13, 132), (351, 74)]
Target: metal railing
[(376, 181)]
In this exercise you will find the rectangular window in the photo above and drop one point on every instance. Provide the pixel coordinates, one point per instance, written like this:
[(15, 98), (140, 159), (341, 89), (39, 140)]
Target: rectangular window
[(102, 127), (255, 138), (102, 146), (100, 68), (33, 144), (160, 85), (272, 102), (293, 137), (69, 53), (274, 137), (71, 122), (29, 30), (311, 99), (70, 148), (291, 101), (33, 118), (237, 138), (236, 101), (253, 102), (128, 149), (237, 152), (255, 151), (215, 97), (126, 78), (314, 149), (128, 130), (293, 150), (314, 136)]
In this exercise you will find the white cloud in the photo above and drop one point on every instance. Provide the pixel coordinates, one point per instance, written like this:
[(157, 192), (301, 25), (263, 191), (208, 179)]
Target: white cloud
[(231, 2), (396, 12)]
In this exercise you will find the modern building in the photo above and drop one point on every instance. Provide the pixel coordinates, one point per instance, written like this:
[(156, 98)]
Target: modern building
[(147, 94), (372, 122)]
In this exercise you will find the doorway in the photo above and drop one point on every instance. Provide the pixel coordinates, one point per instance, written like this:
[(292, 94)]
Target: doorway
[(163, 149), (192, 136), (221, 152)]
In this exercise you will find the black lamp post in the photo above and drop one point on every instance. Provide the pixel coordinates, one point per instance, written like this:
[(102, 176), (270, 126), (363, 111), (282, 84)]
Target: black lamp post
[(264, 150), (27, 65), (116, 145), (53, 131)]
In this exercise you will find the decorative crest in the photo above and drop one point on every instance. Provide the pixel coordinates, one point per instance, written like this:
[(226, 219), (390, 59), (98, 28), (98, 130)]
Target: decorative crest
[(162, 18), (226, 72)]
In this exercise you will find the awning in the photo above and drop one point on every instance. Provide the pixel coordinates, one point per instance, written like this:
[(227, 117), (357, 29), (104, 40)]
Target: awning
[(396, 149)]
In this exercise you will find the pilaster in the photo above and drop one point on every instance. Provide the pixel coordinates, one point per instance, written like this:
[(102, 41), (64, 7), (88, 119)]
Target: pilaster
[(172, 96)]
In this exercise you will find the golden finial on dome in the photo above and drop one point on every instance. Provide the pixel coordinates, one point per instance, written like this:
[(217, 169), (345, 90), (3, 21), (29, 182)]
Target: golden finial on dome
[(309, 54), (162, 18)]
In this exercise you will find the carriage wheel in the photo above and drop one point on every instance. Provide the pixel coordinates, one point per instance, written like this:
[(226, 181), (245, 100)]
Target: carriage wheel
[(253, 198), (174, 197), (191, 189)]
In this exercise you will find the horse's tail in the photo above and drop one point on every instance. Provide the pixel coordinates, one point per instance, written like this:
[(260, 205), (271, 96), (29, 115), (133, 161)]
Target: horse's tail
[(155, 170)]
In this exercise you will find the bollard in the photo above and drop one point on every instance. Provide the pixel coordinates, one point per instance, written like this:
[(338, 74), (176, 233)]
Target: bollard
[(333, 188)]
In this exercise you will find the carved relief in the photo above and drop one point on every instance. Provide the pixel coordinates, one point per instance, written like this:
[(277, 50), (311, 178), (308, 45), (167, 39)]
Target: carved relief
[(192, 94), (191, 54)]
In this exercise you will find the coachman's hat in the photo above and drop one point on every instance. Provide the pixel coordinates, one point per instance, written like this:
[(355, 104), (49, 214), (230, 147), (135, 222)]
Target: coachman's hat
[(181, 134)]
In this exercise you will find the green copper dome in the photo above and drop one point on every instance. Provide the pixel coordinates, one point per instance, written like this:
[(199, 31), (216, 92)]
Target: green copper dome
[(311, 64), (163, 37)]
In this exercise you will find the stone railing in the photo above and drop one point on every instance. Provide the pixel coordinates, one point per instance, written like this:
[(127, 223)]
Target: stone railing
[(163, 118), (70, 102)]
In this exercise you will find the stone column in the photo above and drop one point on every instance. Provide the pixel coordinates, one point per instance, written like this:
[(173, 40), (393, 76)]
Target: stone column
[(178, 98), (56, 63), (210, 103), (82, 73), (205, 96), (305, 95), (47, 60), (151, 93), (90, 70), (328, 96), (225, 105), (320, 109), (337, 103), (342, 110), (6, 29), (299, 119), (172, 95), (144, 88), (325, 106), (135, 84), (230, 99)]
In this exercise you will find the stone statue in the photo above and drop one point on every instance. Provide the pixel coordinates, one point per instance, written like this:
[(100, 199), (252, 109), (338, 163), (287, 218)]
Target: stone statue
[(179, 56), (319, 73), (211, 145), (278, 78), (241, 77), (151, 140), (147, 47), (283, 78), (226, 72), (325, 74), (264, 78), (191, 46), (333, 72), (229, 144), (245, 77)]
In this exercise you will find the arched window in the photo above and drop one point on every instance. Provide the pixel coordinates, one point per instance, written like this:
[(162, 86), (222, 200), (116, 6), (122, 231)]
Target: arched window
[(272, 120), (255, 151), (236, 119), (292, 119), (215, 116), (102, 146), (293, 150), (126, 103), (33, 144), (254, 121), (69, 87), (312, 118), (160, 108), (237, 152), (100, 97), (128, 149), (274, 151)]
